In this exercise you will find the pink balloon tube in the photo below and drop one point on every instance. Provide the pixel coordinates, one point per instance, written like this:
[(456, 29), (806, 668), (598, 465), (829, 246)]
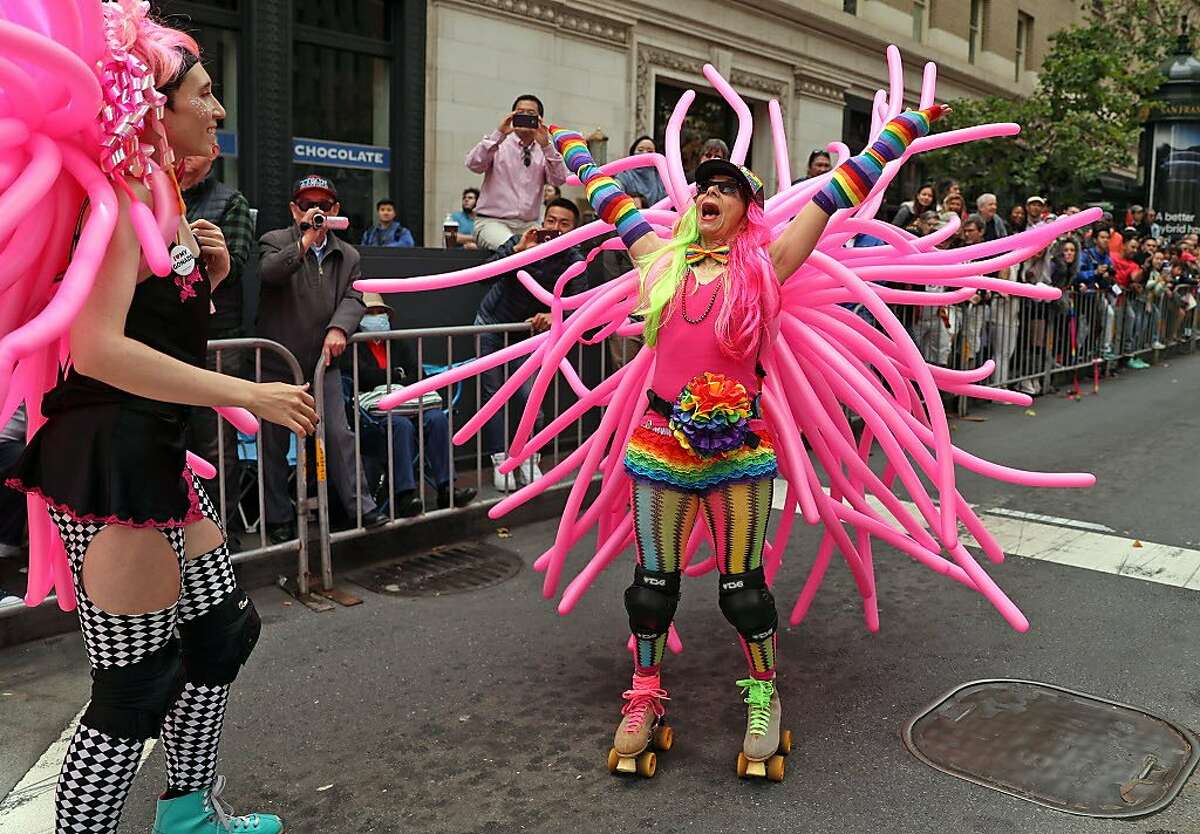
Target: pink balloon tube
[(825, 363)]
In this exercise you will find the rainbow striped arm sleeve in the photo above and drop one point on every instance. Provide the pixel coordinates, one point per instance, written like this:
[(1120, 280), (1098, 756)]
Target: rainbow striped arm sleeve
[(852, 180), (605, 194)]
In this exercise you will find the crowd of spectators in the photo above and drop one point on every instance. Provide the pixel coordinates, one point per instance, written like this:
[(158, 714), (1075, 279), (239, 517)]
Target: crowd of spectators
[(1126, 289)]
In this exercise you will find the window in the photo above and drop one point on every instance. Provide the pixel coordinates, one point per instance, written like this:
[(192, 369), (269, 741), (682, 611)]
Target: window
[(709, 117), (365, 18), (975, 37), (920, 16), (1024, 38), (341, 96), (850, 6)]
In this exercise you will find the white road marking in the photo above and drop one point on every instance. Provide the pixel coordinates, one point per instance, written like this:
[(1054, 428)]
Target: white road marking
[(1081, 544), (29, 807)]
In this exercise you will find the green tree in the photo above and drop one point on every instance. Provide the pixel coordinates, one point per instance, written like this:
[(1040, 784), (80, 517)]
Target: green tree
[(1082, 120)]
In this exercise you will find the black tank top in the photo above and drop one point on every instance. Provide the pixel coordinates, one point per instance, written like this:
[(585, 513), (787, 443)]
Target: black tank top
[(169, 314)]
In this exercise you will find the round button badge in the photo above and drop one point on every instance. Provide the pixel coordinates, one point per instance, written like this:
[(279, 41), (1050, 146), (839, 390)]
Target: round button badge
[(183, 262)]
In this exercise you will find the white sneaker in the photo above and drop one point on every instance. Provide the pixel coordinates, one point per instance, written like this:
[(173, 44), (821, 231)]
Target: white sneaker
[(502, 482), (528, 471), (1158, 345)]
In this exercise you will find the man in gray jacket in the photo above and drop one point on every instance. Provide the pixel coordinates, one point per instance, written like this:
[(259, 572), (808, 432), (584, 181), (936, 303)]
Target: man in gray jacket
[(307, 303)]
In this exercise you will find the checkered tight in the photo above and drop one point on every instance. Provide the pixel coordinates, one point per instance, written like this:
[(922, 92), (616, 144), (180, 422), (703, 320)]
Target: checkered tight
[(191, 732), (98, 769)]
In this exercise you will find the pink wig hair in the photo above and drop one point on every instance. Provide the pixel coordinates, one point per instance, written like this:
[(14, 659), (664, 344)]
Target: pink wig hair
[(751, 303), (130, 27), (748, 315)]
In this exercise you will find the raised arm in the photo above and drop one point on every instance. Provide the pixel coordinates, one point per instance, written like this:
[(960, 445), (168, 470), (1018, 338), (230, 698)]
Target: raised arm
[(850, 184), (606, 195)]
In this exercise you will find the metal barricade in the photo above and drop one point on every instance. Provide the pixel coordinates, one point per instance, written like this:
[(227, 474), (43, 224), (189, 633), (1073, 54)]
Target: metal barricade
[(300, 543), (265, 548), (1032, 341), (432, 350)]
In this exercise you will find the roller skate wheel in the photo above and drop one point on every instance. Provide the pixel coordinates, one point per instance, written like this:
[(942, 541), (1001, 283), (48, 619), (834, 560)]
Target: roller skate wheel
[(785, 742), (742, 765), (614, 759), (664, 737), (647, 764), (775, 768)]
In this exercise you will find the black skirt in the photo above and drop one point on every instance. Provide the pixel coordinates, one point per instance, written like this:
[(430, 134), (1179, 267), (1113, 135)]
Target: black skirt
[(112, 463)]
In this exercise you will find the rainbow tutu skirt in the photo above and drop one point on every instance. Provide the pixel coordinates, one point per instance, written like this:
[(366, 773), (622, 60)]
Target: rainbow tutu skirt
[(710, 439)]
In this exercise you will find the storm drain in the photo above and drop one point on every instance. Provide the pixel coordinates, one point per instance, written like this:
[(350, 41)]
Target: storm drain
[(443, 570), (1065, 750)]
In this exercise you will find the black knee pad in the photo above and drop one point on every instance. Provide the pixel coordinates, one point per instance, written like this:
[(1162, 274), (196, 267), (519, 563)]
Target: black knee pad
[(218, 642), (748, 604), (651, 601), (130, 702)]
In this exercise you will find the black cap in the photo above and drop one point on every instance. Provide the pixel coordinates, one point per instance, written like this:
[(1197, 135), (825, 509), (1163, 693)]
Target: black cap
[(314, 182), (743, 176)]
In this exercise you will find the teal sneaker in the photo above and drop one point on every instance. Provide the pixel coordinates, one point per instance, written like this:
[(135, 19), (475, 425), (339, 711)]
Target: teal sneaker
[(203, 812), (1138, 364)]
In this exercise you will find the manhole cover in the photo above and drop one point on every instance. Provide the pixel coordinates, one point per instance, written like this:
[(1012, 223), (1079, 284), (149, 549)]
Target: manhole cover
[(1065, 750), (443, 570)]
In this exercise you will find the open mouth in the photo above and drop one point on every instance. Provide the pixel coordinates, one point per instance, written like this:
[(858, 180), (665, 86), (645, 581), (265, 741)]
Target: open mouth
[(709, 210)]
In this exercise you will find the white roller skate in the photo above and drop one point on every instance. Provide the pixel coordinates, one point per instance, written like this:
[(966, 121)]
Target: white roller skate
[(765, 744)]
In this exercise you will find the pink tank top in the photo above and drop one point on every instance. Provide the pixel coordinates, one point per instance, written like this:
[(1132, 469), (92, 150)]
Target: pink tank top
[(688, 344)]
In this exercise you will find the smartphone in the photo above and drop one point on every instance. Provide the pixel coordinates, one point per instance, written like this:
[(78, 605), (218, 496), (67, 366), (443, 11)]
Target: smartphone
[(524, 120), (543, 235)]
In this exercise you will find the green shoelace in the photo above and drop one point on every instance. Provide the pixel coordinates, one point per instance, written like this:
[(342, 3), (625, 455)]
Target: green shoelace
[(758, 695)]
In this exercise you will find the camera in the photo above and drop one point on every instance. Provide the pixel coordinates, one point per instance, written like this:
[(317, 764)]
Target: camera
[(543, 235), (320, 220), (524, 120)]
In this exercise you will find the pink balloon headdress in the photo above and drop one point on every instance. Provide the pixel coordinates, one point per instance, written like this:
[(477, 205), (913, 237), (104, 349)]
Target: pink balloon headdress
[(132, 110)]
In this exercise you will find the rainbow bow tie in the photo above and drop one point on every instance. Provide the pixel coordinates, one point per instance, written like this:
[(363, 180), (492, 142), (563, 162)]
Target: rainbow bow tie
[(697, 254)]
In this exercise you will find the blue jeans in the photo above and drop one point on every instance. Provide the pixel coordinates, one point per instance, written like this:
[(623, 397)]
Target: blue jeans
[(495, 430), (405, 449)]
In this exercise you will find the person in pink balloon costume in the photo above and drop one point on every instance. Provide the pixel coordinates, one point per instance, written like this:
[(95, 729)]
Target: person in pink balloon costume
[(105, 328), (751, 367), (710, 299)]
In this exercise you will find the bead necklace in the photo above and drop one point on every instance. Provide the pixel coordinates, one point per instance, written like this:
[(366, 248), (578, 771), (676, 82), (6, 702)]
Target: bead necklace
[(711, 300)]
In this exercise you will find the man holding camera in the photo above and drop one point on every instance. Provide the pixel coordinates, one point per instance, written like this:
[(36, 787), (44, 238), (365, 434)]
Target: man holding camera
[(309, 305), (517, 160), (508, 302)]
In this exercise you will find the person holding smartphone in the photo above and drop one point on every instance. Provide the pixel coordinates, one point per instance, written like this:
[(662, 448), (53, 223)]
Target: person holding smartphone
[(517, 161), (508, 302)]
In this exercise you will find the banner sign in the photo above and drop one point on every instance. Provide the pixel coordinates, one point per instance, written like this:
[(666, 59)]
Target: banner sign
[(1175, 177), (341, 154)]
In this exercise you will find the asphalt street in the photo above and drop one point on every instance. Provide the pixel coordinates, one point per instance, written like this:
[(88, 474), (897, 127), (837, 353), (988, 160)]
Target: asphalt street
[(487, 712)]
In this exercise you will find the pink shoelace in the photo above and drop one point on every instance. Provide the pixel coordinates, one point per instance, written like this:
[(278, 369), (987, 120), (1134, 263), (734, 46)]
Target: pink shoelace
[(647, 694)]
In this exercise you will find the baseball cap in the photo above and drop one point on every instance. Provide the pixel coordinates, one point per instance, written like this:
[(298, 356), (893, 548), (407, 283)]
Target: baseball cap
[(314, 182), (740, 174), (1035, 199), (374, 299)]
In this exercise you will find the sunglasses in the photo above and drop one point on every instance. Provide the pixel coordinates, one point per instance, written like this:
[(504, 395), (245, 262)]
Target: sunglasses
[(323, 205), (727, 187)]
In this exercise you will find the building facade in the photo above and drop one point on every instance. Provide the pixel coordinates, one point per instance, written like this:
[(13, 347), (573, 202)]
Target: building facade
[(620, 68), (387, 96)]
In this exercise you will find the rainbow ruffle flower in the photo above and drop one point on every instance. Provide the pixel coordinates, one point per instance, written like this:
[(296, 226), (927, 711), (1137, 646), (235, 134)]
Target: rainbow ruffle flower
[(711, 414)]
